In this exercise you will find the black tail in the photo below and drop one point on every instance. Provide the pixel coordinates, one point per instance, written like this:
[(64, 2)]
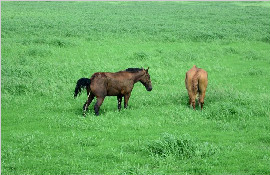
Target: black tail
[(81, 83)]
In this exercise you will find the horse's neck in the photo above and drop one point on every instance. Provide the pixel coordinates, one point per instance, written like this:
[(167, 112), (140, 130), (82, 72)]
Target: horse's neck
[(137, 76)]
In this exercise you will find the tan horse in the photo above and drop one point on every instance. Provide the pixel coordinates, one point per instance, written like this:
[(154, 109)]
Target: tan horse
[(196, 80), (119, 84)]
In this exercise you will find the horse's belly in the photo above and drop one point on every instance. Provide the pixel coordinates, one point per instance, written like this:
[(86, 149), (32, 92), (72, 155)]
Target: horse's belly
[(113, 92), (116, 92)]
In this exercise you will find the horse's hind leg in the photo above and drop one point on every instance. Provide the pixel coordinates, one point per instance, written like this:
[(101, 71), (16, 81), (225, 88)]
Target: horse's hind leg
[(90, 98), (98, 104), (119, 99), (191, 100), (193, 103), (201, 99), (88, 95), (202, 88)]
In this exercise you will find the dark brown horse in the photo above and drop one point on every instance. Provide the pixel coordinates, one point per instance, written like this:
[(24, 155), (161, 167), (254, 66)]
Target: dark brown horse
[(196, 81), (119, 84)]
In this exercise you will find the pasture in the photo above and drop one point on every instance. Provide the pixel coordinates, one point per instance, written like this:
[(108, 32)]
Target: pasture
[(47, 46)]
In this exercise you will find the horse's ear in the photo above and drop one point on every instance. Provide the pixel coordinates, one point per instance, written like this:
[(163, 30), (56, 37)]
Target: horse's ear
[(147, 69)]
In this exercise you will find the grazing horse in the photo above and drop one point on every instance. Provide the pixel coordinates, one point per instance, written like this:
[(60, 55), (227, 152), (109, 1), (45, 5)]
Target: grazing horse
[(119, 84), (196, 80)]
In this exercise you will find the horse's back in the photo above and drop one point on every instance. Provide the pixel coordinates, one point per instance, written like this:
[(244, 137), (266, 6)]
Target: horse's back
[(111, 84), (119, 76), (119, 83)]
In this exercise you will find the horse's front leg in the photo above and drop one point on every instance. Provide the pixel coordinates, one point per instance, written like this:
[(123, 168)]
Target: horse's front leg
[(98, 104), (119, 99), (126, 98)]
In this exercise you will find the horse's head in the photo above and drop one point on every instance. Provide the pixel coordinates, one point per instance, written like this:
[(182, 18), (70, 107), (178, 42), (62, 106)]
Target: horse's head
[(145, 80)]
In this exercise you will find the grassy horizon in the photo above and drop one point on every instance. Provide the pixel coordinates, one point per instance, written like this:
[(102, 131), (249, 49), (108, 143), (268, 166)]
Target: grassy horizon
[(47, 46)]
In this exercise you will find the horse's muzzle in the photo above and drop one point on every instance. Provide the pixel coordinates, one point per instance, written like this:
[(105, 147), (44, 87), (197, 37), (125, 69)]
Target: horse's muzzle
[(149, 89)]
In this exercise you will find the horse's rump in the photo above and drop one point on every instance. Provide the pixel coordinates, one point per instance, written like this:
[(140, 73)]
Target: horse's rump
[(196, 81), (192, 80), (202, 80)]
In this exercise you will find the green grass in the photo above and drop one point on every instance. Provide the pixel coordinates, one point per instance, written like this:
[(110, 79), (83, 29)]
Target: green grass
[(47, 46)]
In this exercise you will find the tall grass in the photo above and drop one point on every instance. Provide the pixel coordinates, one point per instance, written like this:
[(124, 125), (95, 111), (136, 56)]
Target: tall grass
[(47, 46)]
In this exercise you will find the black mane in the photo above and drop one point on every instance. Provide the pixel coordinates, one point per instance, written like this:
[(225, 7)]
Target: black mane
[(133, 69)]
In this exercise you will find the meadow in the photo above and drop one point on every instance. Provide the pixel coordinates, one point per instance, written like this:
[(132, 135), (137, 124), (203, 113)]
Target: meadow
[(47, 46)]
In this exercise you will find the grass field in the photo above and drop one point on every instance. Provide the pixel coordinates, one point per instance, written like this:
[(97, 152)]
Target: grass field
[(47, 46)]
